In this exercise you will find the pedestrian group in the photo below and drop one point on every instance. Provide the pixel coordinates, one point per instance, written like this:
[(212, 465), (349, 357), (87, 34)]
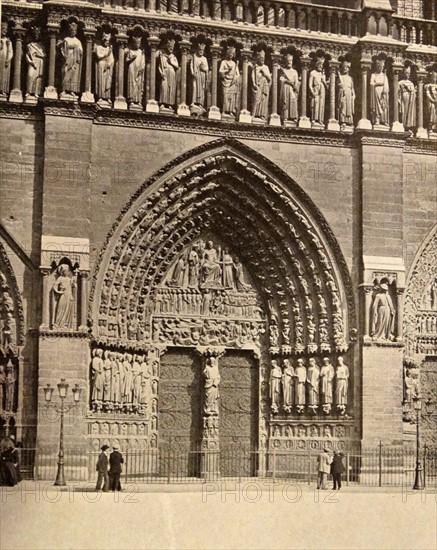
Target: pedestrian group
[(108, 469)]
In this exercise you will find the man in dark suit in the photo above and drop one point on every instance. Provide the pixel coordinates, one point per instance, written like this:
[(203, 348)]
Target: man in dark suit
[(337, 468), (102, 470), (115, 462)]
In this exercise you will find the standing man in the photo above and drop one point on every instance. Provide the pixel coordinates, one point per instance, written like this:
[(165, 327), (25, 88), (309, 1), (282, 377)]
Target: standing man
[(115, 462), (324, 468), (337, 468), (102, 470)]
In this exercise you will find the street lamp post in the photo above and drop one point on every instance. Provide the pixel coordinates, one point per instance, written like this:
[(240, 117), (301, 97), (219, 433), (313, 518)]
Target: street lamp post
[(418, 481), (62, 409)]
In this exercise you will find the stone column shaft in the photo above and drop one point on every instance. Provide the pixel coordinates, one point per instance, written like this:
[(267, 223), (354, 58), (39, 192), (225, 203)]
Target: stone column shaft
[(304, 121), (421, 131), (245, 115), (120, 101), (214, 111), (364, 123), (275, 119), (87, 96), (333, 123), (152, 105), (183, 109), (397, 126), (16, 95), (50, 91)]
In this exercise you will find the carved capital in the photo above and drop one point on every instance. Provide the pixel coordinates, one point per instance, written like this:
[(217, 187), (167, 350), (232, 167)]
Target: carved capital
[(211, 351)]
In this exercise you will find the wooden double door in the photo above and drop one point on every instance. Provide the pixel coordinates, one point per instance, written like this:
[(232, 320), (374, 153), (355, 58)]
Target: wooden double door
[(180, 412)]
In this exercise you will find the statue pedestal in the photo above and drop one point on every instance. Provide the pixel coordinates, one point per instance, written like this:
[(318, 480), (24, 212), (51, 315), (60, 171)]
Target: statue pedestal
[(16, 96), (364, 124), (333, 125), (87, 97), (395, 127), (422, 133), (183, 110), (275, 120), (30, 99), (290, 123), (50, 93), (210, 467), (245, 116), (152, 106), (214, 113), (120, 103), (304, 122)]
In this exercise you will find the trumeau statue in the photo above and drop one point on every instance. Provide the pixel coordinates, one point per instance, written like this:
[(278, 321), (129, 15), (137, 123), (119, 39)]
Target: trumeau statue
[(9, 387), (136, 65), (341, 386), (212, 380), (345, 96), (104, 68), (36, 60), (230, 79), (168, 66), (431, 100), (407, 99), (317, 86), (72, 54), (379, 94), (261, 82), (63, 293), (382, 314), (199, 72), (6, 55), (289, 90)]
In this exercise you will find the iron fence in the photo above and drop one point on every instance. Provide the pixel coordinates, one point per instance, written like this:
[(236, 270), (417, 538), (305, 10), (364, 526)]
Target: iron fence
[(379, 467)]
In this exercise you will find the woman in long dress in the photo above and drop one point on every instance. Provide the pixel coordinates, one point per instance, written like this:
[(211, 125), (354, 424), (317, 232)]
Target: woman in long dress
[(379, 92), (63, 293), (199, 71), (72, 52), (35, 57), (229, 75), (383, 313)]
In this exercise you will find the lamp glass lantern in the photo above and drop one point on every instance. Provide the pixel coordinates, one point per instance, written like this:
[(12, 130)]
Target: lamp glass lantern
[(62, 388), (76, 393), (48, 390)]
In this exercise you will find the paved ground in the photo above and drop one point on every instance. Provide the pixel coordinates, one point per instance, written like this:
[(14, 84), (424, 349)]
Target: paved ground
[(250, 514)]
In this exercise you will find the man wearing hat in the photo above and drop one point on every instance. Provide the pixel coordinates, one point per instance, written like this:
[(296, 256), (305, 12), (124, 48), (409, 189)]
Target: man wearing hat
[(115, 462), (324, 467), (102, 470)]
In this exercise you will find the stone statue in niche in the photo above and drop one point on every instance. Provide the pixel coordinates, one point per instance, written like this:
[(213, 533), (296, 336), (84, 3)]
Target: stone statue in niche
[(199, 72), (411, 385), (313, 381), (317, 86), (379, 94), (72, 54), (228, 270), (431, 100), (126, 393), (407, 99), (341, 386), (240, 283), (345, 96), (211, 269), (275, 386), (136, 382), (229, 75), (300, 384), (36, 60), (289, 90), (288, 385), (212, 380), (97, 379), (107, 368), (6, 56), (104, 68), (261, 83), (116, 378), (10, 380), (382, 313), (433, 294), (168, 67), (136, 65), (63, 297), (327, 375)]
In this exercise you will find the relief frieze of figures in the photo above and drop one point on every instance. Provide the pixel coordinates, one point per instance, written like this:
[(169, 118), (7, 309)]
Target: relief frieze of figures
[(309, 436), (124, 382), (8, 326)]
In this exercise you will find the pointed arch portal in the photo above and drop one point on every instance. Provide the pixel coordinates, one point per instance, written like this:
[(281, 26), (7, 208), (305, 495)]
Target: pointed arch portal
[(221, 250)]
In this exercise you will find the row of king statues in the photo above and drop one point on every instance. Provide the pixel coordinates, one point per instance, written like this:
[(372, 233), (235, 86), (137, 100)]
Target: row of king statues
[(311, 388), (234, 93)]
